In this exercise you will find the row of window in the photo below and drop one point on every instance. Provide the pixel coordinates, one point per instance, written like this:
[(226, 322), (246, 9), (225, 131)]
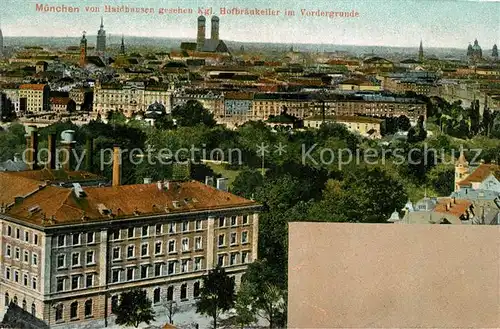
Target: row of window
[(15, 253), (76, 259), (15, 276), (25, 235), (145, 271), (233, 239), (158, 249), (7, 301), (76, 239), (77, 281), (73, 310)]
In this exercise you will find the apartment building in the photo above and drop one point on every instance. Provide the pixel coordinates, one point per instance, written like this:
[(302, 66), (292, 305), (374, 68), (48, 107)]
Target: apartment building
[(68, 252), (9, 98), (34, 98), (266, 104), (365, 126), (129, 97), (212, 100)]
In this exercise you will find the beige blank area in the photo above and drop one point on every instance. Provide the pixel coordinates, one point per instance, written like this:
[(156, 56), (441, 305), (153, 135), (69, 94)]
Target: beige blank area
[(344, 275)]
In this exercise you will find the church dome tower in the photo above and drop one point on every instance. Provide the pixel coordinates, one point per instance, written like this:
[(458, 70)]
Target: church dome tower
[(461, 169)]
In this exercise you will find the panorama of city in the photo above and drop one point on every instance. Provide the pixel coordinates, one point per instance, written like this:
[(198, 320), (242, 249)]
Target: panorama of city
[(210, 182)]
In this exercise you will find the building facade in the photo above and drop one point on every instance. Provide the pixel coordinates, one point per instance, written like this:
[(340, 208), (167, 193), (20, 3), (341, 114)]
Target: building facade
[(368, 127), (213, 101), (33, 98)]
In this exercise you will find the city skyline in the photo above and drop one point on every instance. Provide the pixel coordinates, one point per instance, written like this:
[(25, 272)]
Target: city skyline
[(440, 23)]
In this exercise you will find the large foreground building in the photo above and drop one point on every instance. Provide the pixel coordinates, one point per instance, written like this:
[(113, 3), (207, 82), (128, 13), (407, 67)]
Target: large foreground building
[(69, 245)]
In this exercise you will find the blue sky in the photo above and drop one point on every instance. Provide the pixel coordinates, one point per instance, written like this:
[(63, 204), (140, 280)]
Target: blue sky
[(450, 23)]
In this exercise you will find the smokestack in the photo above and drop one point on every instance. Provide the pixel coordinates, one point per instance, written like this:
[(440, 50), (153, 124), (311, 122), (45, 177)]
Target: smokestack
[(89, 160), (215, 28), (52, 151), (31, 147), (200, 39), (117, 166)]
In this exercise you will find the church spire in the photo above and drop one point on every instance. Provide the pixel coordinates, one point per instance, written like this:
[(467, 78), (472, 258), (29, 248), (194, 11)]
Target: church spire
[(102, 23), (421, 52), (122, 47)]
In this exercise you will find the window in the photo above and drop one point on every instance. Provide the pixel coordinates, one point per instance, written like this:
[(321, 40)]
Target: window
[(34, 283), (221, 240), (184, 265), (145, 231), (197, 243), (59, 312), (75, 259), (220, 260), (17, 254), (196, 289), (90, 257), (89, 280), (158, 269), (24, 304), (9, 230), (25, 279), (88, 308), (116, 253), (115, 235), (8, 251), (183, 291), (90, 237), (114, 303), (144, 250), (156, 295), (16, 276), (234, 221), (131, 232), (170, 294), (244, 237), (26, 256), (159, 229), (158, 247), (130, 274), (61, 261), (34, 259), (75, 282), (171, 246), (197, 263), (130, 251), (233, 238), (26, 236), (18, 233), (185, 226), (73, 313), (185, 244), (144, 271), (76, 239), (171, 228), (33, 309), (234, 259), (7, 300), (7, 273), (60, 241), (171, 267), (115, 276), (198, 225), (245, 219), (244, 257), (15, 300), (60, 284), (222, 221)]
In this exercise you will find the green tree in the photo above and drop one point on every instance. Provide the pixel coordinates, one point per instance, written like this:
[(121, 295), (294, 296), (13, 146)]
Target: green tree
[(245, 314), (192, 114), (247, 182), (116, 118), (217, 294), (441, 178), (134, 308), (403, 123)]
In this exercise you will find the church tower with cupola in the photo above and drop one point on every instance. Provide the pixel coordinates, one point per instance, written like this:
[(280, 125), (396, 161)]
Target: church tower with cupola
[(83, 50), (461, 169), (101, 39)]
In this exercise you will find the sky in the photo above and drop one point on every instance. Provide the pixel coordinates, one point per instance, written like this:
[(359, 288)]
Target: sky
[(403, 23)]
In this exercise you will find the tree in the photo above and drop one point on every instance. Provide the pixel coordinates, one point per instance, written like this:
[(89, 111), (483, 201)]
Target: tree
[(172, 308), (245, 313), (403, 123), (247, 182), (442, 179), (134, 308), (192, 114), (217, 294)]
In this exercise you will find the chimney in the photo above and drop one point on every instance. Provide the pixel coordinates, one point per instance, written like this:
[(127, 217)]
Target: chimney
[(89, 159), (209, 180), (52, 151), (222, 184), (117, 166), (31, 147), (454, 200), (67, 140), (147, 180), (447, 206)]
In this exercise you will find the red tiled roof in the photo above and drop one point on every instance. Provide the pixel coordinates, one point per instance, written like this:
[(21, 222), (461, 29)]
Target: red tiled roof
[(12, 186), (60, 100), (480, 174), (239, 95), (32, 86), (456, 207), (123, 201)]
